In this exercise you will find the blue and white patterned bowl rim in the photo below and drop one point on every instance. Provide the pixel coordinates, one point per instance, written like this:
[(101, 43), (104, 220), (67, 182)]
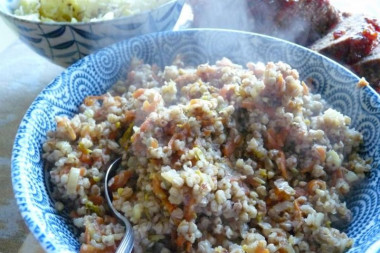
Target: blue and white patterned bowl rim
[(95, 74)]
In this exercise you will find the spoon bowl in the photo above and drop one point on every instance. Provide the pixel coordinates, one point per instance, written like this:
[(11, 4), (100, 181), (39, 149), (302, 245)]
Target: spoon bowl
[(126, 244)]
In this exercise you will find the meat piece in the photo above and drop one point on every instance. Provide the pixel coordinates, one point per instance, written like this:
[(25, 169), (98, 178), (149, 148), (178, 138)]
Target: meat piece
[(302, 21), (322, 16), (369, 67), (351, 40)]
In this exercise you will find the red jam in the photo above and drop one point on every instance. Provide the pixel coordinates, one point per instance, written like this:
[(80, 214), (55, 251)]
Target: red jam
[(370, 34), (338, 34), (374, 23)]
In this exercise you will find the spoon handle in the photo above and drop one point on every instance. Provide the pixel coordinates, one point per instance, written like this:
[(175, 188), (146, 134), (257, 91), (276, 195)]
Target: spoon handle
[(126, 244)]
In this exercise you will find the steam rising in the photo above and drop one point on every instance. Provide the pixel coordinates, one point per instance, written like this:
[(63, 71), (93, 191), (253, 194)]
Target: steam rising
[(301, 21), (228, 14)]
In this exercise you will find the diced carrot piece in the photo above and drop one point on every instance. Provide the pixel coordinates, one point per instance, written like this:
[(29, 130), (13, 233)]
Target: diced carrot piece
[(363, 83), (188, 210), (321, 152), (276, 140), (138, 93), (180, 241), (207, 132), (130, 116), (247, 104), (169, 206), (258, 249), (154, 143), (173, 138), (120, 180), (113, 135), (280, 82), (281, 136), (85, 158), (161, 194), (188, 247), (82, 171), (87, 235), (305, 88), (339, 172), (228, 148), (96, 199), (281, 194), (250, 181), (226, 91), (157, 188), (170, 129), (99, 220), (297, 209), (67, 125), (149, 107), (281, 164), (138, 146), (145, 125), (271, 139), (90, 100), (110, 219), (315, 184)]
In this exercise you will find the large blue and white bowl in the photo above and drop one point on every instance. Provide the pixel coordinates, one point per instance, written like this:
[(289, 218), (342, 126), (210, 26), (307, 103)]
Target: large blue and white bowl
[(64, 43), (96, 73)]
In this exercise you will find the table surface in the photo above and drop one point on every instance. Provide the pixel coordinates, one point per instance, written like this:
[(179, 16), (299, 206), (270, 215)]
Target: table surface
[(23, 70)]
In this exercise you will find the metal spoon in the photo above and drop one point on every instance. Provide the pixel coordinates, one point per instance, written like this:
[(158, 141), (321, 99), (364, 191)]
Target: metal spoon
[(126, 244)]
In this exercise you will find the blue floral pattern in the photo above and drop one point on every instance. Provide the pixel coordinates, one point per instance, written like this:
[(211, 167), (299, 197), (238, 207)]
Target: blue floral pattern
[(96, 73)]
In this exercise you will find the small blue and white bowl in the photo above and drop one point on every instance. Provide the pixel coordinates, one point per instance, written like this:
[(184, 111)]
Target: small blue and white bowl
[(64, 43), (95, 74)]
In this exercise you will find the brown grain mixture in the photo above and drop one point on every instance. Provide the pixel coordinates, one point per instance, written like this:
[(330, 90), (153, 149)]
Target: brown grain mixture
[(217, 158)]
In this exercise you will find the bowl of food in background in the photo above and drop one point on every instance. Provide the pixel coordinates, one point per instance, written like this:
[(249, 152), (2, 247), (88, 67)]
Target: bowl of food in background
[(250, 145), (65, 31)]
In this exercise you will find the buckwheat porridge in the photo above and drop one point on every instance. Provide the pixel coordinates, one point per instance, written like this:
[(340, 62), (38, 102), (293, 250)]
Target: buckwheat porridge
[(217, 158)]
